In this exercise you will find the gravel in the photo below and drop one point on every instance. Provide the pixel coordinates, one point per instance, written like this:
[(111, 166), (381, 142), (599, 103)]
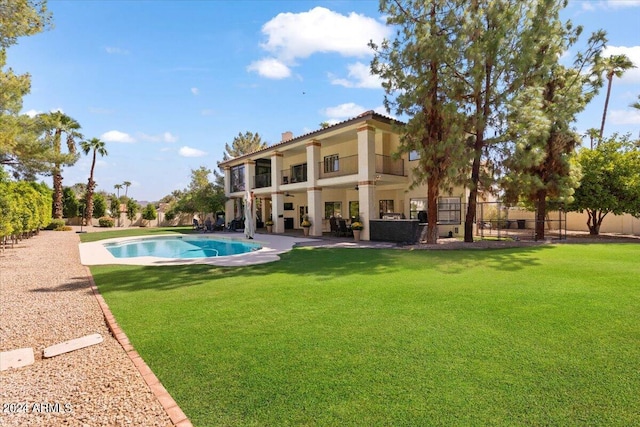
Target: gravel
[(45, 299)]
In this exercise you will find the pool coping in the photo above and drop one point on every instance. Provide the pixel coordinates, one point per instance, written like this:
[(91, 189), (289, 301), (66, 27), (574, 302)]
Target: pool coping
[(95, 253)]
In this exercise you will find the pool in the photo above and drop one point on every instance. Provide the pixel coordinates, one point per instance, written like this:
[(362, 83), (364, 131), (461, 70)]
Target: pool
[(180, 247)]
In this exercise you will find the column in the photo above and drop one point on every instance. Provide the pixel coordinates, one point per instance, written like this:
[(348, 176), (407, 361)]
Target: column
[(366, 177), (314, 199)]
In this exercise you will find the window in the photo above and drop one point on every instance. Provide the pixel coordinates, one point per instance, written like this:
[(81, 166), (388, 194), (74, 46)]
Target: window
[(298, 173), (237, 178), (354, 210), (414, 155), (331, 163), (332, 209), (385, 206), (415, 206), (449, 210)]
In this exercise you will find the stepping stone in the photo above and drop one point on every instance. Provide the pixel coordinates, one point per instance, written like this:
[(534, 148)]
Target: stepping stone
[(71, 345), (16, 358)]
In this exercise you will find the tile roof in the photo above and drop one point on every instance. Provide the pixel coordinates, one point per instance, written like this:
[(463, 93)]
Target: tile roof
[(367, 115)]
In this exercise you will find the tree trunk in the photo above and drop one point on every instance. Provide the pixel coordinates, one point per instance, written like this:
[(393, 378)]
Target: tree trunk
[(57, 193), (606, 104), (432, 210), (472, 201), (88, 214), (541, 212)]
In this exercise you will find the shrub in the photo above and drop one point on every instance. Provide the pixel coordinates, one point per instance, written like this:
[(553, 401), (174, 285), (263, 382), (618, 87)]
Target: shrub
[(63, 228), (56, 224), (106, 221)]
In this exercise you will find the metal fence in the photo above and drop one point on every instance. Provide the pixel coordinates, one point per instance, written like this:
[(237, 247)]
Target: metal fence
[(497, 220)]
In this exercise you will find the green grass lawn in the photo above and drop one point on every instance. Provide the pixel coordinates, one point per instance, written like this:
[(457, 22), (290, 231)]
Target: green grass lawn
[(546, 335)]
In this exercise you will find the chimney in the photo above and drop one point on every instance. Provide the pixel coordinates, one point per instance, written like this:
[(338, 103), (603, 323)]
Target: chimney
[(287, 136)]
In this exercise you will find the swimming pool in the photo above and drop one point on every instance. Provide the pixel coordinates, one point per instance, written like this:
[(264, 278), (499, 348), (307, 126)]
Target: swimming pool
[(179, 247)]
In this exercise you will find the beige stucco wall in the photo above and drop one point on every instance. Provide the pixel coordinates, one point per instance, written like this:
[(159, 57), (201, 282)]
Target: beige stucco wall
[(617, 224)]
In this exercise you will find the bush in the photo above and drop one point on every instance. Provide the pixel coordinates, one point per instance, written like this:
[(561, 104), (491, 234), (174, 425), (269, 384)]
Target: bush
[(106, 221), (63, 228), (56, 224)]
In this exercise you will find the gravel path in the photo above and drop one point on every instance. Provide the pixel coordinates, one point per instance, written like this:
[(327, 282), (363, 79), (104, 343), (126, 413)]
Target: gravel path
[(45, 299)]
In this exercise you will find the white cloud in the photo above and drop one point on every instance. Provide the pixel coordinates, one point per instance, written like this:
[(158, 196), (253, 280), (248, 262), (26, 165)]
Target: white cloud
[(117, 136), (343, 111), (270, 68), (191, 152), (625, 117), (32, 113), (299, 35), (291, 36), (633, 52), (623, 3), (195, 91), (590, 5), (116, 51), (359, 76), (163, 137)]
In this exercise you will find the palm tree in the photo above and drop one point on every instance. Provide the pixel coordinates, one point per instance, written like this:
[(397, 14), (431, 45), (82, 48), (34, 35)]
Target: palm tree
[(593, 134), (98, 147), (615, 65), (56, 124), (636, 104), (126, 184), (118, 187)]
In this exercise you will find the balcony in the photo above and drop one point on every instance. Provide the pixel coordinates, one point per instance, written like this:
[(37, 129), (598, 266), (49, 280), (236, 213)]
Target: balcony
[(338, 167), (294, 174), (389, 166), (262, 180)]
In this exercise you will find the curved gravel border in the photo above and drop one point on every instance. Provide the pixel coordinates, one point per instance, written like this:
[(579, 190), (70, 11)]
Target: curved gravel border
[(47, 297)]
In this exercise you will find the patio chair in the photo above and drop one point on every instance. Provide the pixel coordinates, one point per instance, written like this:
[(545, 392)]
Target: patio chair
[(335, 230), (344, 229), (196, 224), (219, 224)]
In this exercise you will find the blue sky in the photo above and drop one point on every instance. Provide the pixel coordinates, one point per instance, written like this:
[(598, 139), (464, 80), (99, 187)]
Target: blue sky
[(167, 83)]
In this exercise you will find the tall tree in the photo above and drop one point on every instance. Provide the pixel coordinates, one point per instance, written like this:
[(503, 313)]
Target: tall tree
[(539, 161), (613, 66), (636, 104), (95, 146), (59, 125), (20, 148), (118, 187), (610, 181), (413, 70), (243, 144)]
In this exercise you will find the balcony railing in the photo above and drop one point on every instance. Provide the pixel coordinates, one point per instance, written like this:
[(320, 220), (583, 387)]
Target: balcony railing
[(338, 167), (262, 180), (390, 166), (294, 174)]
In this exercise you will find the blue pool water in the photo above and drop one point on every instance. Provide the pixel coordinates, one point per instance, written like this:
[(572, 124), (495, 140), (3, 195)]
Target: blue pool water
[(179, 247)]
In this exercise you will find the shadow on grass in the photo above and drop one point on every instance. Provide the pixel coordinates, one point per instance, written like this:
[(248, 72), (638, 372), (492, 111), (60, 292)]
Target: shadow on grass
[(320, 264)]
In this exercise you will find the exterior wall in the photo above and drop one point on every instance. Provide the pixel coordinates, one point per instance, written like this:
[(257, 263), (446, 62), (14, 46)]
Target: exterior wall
[(365, 173), (615, 224)]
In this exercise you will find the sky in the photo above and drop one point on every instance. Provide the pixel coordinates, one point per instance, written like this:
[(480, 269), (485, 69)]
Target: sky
[(167, 83)]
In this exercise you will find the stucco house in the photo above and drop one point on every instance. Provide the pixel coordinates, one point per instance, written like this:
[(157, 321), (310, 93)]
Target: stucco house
[(344, 171)]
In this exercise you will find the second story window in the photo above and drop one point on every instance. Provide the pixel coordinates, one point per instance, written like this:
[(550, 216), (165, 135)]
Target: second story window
[(298, 173), (331, 163), (237, 179)]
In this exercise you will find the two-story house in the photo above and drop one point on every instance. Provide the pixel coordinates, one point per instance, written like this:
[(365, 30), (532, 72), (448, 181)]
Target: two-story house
[(345, 171)]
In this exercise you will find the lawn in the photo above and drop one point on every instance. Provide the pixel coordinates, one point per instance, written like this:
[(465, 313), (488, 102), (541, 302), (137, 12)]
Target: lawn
[(129, 232), (546, 335)]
